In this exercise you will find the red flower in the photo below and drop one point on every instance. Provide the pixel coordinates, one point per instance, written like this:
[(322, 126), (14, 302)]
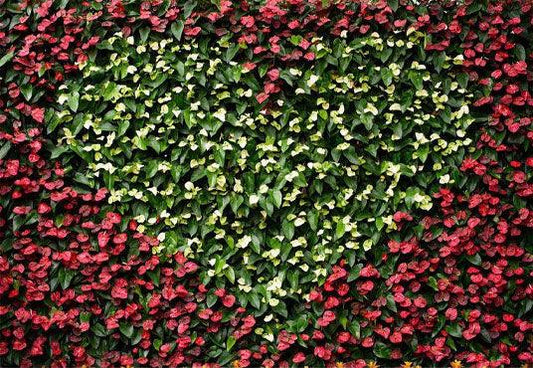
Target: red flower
[(261, 97), (119, 289), (228, 301), (120, 238), (37, 114), (273, 74), (396, 337), (298, 358), (248, 21), (19, 345), (322, 352)]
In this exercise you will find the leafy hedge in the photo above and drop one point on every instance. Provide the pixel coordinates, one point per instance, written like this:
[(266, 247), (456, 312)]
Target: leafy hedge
[(276, 183)]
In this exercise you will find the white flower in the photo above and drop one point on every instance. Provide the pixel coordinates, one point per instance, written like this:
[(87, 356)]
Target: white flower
[(312, 80), (371, 108), (444, 179), (220, 114), (254, 198), (395, 107), (299, 222), (244, 241), (189, 186)]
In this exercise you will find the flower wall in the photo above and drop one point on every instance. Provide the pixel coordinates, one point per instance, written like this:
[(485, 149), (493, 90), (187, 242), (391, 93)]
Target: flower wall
[(266, 183)]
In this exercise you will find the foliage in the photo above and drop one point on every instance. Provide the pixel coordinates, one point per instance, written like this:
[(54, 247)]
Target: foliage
[(265, 184)]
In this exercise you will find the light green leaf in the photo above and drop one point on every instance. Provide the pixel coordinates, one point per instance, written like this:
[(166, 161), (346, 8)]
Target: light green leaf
[(73, 101), (276, 195), (4, 149), (230, 342), (7, 57)]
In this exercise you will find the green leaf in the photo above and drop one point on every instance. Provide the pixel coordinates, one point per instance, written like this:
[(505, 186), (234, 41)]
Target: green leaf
[(216, 3), (65, 277), (432, 282), (295, 39), (385, 54), (368, 121), (235, 203), (230, 274), (438, 61), (109, 180), (393, 4), (254, 300), (440, 325), (5, 149), (276, 195), (294, 278), (340, 229), (177, 29), (379, 223), (520, 52), (454, 330), (416, 79), (151, 169), (355, 328), (126, 328), (58, 151), (110, 90), (123, 127), (354, 272), (382, 351), (211, 299), (474, 8), (451, 344), (462, 79), (53, 125), (99, 330), (231, 52), (386, 76), (288, 229), (27, 90), (281, 309), (188, 8), (144, 32), (73, 101), (230, 342), (391, 304), (474, 259), (7, 57), (154, 276), (312, 219), (423, 152)]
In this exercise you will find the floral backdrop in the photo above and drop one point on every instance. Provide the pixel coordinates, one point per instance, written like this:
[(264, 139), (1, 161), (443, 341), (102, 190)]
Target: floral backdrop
[(273, 183)]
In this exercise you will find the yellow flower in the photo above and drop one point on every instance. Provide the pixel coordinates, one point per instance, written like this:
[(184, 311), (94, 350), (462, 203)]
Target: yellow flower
[(339, 365), (235, 364), (372, 365), (407, 365), (456, 364)]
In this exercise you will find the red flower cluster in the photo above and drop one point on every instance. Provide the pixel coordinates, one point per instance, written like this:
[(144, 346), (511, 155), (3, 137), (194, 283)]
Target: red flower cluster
[(77, 282), (446, 291)]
